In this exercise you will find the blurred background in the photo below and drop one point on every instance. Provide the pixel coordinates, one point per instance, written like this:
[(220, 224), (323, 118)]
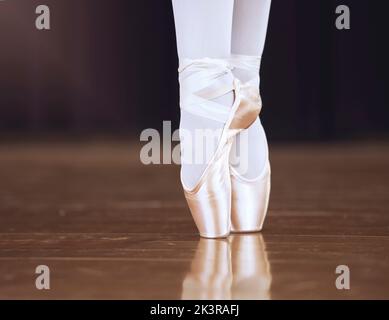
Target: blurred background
[(110, 67)]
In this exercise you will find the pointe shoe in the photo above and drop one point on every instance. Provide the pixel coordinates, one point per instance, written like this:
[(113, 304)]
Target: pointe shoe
[(210, 200), (250, 197)]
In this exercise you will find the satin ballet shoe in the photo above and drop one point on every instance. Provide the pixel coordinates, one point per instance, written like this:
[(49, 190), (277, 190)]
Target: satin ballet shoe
[(250, 197), (210, 200), (250, 200)]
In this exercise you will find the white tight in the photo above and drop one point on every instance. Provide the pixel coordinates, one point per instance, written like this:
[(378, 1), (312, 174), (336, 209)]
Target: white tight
[(217, 29), (203, 28), (249, 27)]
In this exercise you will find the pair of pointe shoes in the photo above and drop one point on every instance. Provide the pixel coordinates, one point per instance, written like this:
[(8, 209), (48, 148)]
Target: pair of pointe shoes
[(223, 201)]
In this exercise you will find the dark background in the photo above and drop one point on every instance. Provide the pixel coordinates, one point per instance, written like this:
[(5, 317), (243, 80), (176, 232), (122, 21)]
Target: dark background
[(111, 67)]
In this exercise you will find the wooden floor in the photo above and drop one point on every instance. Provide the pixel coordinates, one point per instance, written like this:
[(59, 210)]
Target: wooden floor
[(111, 228)]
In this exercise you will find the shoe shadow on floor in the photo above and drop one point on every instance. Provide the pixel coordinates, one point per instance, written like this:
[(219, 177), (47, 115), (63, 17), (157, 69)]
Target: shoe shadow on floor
[(233, 268)]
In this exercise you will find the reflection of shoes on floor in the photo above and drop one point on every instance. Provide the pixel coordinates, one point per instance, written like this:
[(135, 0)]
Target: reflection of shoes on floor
[(236, 268), (210, 199), (250, 267), (210, 275)]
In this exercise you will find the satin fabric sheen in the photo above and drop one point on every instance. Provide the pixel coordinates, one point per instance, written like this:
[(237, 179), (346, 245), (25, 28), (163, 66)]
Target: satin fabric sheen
[(210, 201), (250, 198)]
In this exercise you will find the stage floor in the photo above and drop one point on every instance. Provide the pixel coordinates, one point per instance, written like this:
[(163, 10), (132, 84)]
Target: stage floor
[(111, 228)]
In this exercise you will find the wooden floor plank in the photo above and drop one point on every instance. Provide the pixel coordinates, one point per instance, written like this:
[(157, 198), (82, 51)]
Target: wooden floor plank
[(111, 228)]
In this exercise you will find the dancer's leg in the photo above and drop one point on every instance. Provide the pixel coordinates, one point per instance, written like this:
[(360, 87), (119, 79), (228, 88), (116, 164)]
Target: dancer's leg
[(250, 26), (250, 21), (203, 29)]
